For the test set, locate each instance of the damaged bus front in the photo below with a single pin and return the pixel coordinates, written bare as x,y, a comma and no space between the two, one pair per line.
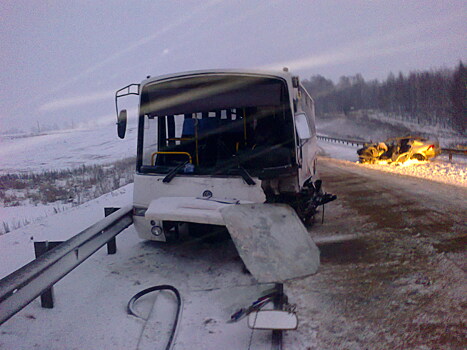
208,140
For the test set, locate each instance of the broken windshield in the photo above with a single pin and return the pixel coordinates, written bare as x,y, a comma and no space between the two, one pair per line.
214,125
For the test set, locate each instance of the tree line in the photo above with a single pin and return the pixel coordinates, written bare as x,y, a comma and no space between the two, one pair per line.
435,97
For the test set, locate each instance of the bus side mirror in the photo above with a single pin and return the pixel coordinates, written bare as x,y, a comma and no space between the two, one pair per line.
121,123
301,125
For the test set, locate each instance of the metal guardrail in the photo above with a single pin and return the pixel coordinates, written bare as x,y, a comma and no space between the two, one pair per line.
455,151
338,140
449,151
27,283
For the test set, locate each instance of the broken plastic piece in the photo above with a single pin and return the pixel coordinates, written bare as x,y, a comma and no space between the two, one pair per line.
272,241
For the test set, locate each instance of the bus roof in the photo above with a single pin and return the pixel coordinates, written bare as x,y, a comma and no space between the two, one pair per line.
285,75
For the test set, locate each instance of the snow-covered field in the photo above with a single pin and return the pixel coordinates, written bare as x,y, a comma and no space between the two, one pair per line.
56,151
65,149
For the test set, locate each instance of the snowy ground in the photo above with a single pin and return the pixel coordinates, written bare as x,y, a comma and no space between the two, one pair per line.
65,149
59,150
85,317
439,169
90,302
412,265
16,217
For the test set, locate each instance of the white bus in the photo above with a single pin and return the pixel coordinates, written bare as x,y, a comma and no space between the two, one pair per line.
215,138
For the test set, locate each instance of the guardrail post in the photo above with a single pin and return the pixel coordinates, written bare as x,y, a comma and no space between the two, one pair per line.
112,243
450,156
40,248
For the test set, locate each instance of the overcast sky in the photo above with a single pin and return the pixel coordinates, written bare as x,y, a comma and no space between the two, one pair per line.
62,61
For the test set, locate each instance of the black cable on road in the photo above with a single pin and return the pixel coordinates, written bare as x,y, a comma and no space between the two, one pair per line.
138,295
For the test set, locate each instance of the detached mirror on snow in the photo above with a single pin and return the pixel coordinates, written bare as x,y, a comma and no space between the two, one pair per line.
273,319
121,123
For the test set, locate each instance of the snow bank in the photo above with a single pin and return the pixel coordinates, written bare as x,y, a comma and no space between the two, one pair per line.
12,218
436,170
440,169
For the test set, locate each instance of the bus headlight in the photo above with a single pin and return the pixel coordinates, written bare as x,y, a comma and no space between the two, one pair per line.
156,230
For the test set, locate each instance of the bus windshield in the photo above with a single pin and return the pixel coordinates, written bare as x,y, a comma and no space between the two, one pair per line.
214,125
